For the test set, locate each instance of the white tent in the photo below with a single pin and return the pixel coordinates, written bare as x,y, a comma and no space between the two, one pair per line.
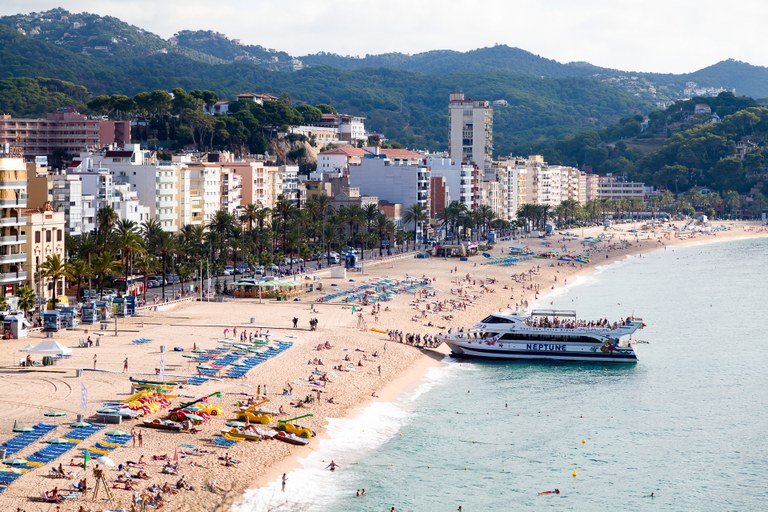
49,347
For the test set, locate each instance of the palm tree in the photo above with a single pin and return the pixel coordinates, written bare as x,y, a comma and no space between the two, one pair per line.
220,227
26,299
166,247
4,302
284,212
103,266
147,264
416,213
105,222
55,269
150,230
129,242
76,271
484,214
249,215
528,212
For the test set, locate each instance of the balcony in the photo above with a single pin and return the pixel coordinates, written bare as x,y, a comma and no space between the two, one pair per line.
13,277
13,221
13,240
4,185
19,257
13,203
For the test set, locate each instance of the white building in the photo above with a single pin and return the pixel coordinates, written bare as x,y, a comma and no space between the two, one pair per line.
79,208
462,180
470,130
392,182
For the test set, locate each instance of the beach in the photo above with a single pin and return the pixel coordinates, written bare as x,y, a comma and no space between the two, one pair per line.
458,294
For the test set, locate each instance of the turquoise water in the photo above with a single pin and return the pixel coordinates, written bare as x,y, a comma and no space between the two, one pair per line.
688,422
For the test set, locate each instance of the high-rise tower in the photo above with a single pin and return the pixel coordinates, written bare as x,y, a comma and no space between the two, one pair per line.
471,130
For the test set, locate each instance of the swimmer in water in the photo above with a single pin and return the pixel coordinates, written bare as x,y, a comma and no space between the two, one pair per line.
332,466
556,491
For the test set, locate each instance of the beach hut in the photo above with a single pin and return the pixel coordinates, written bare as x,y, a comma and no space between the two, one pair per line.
51,320
15,326
88,314
130,305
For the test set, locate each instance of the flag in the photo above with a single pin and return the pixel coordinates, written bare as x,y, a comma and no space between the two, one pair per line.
86,458
83,396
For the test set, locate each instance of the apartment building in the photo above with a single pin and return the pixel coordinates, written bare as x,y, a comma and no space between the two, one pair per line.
470,130
462,181
255,180
231,191
79,208
392,181
618,187
13,199
43,235
65,131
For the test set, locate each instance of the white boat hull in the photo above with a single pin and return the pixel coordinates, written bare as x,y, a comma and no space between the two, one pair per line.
555,351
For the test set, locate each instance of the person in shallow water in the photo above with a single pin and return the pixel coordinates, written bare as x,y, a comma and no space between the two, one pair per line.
556,491
332,466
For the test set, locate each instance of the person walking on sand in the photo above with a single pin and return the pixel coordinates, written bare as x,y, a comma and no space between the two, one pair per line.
125,365
295,322
284,480
133,436
94,361
141,440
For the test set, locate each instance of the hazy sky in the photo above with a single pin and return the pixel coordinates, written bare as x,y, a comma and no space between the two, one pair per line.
639,35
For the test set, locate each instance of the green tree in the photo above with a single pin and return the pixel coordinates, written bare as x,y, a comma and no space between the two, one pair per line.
26,300
55,269
418,214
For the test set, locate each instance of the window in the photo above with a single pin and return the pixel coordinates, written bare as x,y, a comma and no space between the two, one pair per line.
37,237
58,235
47,236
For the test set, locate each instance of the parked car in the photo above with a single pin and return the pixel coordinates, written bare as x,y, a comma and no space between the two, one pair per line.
259,269
274,268
229,270
242,268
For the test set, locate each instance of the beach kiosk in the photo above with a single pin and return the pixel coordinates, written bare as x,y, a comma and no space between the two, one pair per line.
102,311
15,326
118,306
68,317
88,313
51,320
130,305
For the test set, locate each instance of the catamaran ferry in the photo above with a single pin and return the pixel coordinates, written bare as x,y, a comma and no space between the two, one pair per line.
546,334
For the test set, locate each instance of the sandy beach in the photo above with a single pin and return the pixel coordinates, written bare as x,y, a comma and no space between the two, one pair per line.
359,364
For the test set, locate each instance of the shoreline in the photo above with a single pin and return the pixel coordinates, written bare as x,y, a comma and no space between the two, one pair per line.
402,366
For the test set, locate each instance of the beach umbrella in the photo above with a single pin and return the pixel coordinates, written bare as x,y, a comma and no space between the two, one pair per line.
118,433
57,440
80,424
194,417
236,424
107,410
15,462
192,408
106,461
54,414
17,428
187,445
15,471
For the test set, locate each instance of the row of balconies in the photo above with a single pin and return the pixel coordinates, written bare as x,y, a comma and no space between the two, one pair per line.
13,240
12,277
13,257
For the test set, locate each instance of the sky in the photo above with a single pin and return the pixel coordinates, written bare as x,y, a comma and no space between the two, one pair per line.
663,36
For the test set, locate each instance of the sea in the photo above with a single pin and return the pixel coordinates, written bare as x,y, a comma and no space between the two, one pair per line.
686,428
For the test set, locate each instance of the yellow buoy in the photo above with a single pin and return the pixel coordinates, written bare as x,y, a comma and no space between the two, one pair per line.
583,441
573,474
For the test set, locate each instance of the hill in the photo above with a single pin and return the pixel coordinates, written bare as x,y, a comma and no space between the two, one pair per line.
402,96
